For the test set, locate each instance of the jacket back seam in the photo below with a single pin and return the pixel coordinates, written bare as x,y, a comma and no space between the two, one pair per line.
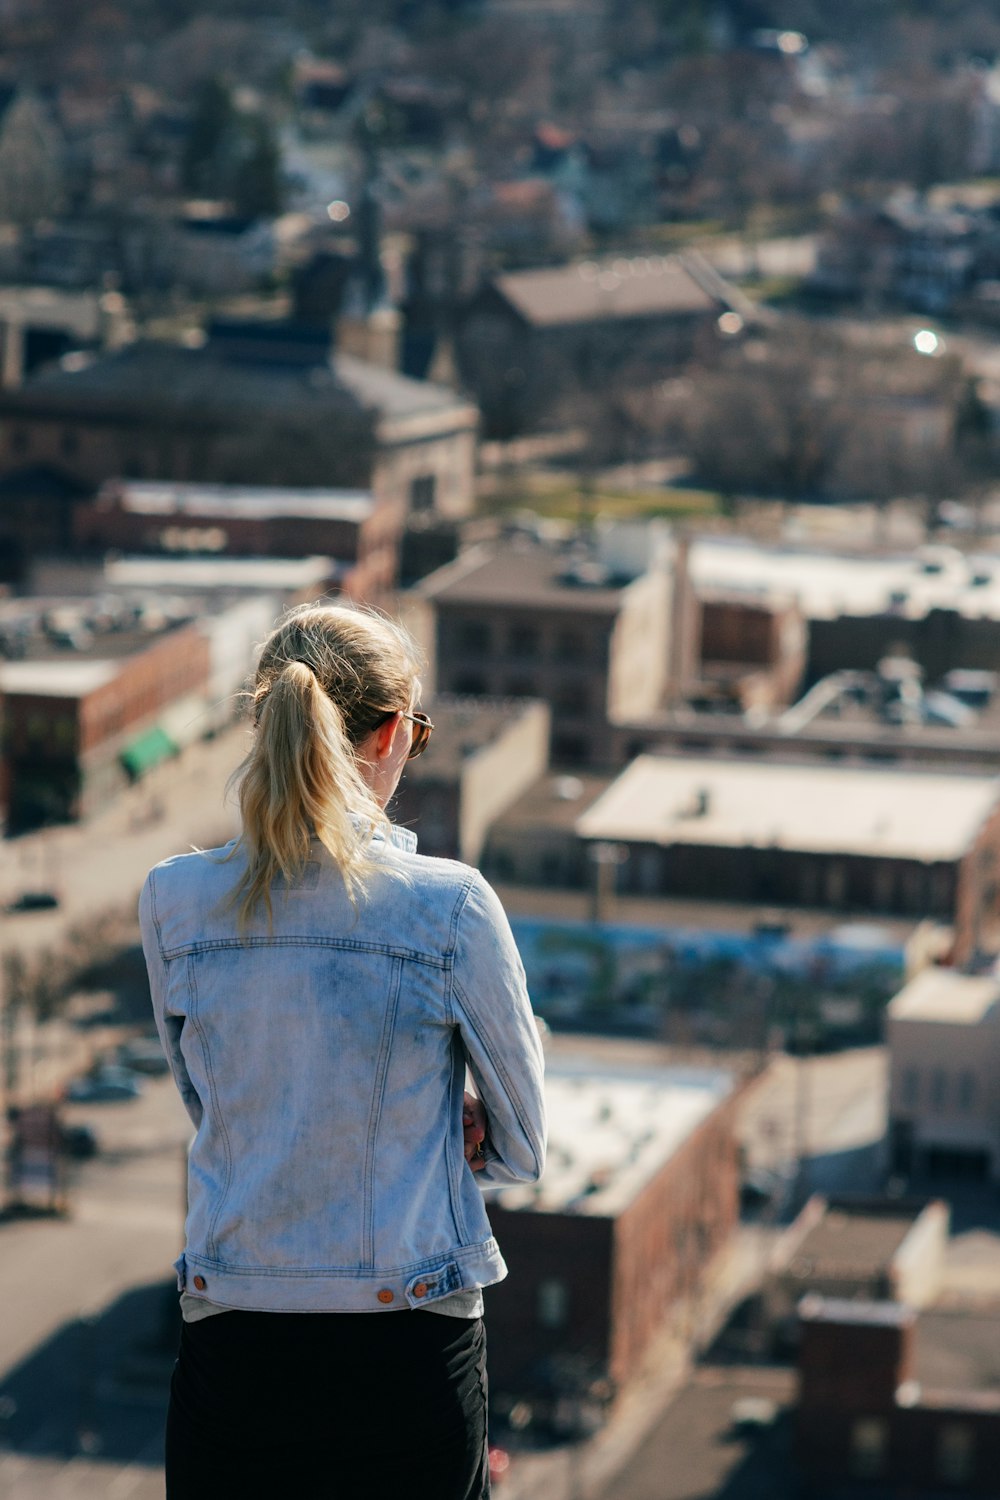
385,1045
211,1236
348,945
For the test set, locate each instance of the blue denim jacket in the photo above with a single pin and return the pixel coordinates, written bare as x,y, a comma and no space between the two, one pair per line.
323,1063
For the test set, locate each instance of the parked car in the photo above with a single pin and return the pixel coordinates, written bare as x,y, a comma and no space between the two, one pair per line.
34,901
78,1142
143,1054
107,1084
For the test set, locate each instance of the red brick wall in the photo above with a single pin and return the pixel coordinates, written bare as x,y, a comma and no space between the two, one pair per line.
621,1275
575,1250
668,1234
171,668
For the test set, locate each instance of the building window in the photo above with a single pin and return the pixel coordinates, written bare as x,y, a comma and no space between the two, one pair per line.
474,636
524,640
569,749
911,1088
20,440
470,684
869,1440
955,1459
423,492
521,687
939,1088
571,699
69,444
553,1303
836,883
569,646
966,1089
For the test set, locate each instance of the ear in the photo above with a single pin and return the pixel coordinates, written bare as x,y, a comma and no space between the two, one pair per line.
383,737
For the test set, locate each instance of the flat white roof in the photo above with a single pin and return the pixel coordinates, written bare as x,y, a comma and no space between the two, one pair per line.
923,815
250,501
611,1129
221,572
56,679
944,996
828,584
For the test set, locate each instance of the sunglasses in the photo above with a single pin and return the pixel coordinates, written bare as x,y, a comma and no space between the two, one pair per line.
422,729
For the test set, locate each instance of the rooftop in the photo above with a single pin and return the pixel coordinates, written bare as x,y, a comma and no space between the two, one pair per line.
253,502
193,382
830,584
625,287
611,1129
947,997
555,801
875,811
816,1309
209,573
55,679
852,1240
525,574
463,726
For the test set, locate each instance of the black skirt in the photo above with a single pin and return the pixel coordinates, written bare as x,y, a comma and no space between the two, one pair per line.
329,1406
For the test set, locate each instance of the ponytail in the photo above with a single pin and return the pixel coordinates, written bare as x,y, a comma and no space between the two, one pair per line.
326,677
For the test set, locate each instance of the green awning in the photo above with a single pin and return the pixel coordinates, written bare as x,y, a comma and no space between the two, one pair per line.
147,750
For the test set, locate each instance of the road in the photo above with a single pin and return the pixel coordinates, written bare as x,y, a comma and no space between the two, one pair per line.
101,864
86,1341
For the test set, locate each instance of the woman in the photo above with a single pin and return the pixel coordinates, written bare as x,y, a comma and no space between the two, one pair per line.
321,991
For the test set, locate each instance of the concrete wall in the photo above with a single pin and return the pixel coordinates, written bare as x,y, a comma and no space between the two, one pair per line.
639,657
494,777
943,1086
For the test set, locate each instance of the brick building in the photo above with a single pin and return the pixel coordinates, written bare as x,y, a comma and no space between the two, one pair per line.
256,404
248,521
866,1425
752,653
106,687
640,1191
531,338
897,843
854,1247
938,605
75,731
587,629
484,754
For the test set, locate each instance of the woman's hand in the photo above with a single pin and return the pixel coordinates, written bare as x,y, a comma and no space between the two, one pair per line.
474,1131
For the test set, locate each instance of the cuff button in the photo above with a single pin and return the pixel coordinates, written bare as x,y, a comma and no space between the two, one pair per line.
384,1295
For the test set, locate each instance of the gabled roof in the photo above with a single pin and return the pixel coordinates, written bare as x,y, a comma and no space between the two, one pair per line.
593,291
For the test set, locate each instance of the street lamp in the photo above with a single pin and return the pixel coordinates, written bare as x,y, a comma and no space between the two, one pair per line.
605,857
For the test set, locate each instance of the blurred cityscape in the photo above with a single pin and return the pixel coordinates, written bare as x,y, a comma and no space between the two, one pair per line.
644,357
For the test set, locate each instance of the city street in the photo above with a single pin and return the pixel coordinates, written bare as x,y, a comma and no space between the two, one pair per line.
85,1349
100,865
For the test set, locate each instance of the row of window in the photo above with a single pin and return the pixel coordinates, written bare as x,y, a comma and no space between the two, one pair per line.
483,638
939,1089
954,1451
572,699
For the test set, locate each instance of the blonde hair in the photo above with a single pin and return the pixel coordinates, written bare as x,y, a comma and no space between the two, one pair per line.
327,676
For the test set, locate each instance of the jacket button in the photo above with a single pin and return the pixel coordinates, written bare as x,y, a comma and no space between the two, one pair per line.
200,1283
420,1290
385,1295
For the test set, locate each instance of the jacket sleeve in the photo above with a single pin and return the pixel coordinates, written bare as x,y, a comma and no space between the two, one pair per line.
493,1014
168,1025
